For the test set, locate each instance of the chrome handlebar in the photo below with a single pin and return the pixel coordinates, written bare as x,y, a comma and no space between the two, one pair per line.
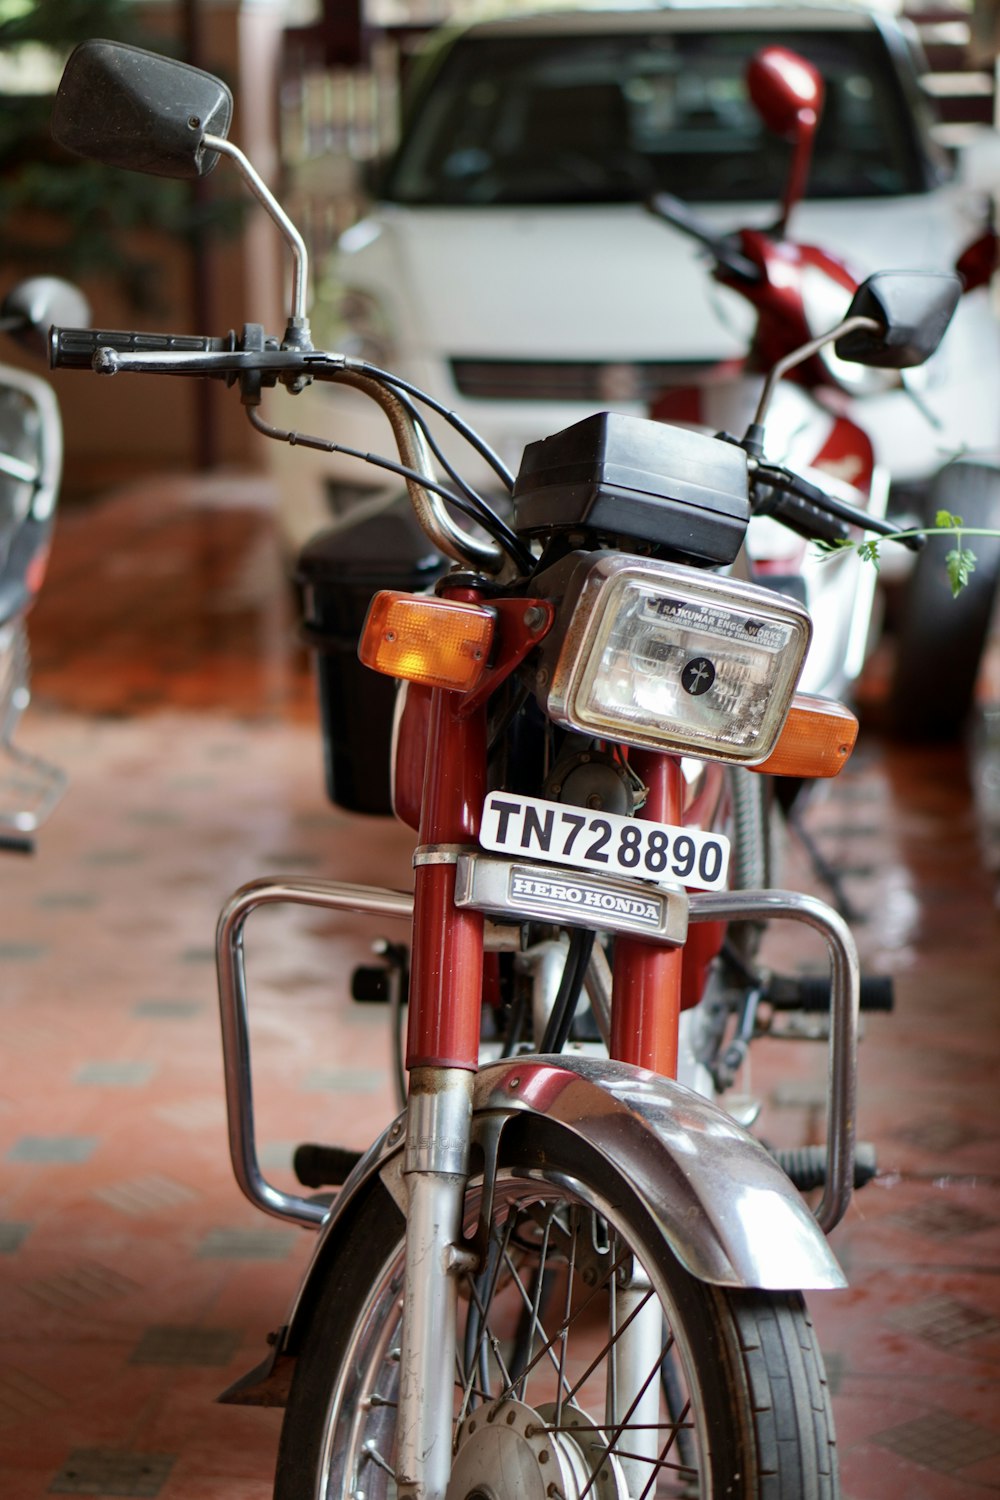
110,352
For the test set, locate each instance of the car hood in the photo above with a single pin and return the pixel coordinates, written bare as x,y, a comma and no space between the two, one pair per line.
607,283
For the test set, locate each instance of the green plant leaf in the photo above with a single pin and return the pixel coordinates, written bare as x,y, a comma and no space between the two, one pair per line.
960,562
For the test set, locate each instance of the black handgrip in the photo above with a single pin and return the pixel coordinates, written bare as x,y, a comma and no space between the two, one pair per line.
75,348
804,518
855,516
783,482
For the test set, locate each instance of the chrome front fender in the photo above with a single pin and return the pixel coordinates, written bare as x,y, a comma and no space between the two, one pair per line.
723,1204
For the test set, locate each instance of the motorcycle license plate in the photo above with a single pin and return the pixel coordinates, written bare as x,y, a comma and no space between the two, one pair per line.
533,827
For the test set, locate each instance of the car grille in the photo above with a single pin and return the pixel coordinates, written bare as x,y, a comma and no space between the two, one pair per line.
571,380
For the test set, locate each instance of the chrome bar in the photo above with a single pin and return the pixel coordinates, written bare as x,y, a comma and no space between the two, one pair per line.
234,1015
845,977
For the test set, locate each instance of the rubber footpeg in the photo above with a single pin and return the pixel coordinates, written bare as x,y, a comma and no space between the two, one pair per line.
805,1166
810,993
370,984
324,1166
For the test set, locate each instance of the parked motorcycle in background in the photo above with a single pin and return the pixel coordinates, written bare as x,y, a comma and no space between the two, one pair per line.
552,1275
872,435
30,472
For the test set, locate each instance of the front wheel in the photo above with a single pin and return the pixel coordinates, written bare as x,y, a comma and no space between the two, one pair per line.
590,1362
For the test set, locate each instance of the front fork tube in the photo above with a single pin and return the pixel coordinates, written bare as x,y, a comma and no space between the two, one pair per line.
442,1055
647,979
645,1023
435,1167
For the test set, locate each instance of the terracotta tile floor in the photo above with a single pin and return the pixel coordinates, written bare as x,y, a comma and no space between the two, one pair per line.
137,1283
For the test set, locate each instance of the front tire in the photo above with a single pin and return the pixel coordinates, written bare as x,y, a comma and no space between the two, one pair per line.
581,1322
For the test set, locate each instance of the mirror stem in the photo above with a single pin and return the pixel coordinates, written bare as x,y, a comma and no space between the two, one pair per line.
806,351
297,333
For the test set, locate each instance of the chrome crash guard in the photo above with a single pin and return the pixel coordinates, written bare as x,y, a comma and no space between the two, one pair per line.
723,1204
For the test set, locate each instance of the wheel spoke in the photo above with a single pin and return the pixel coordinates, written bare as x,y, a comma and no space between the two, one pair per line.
597,1360
663,1464
536,1303
566,1324
476,1348
624,1424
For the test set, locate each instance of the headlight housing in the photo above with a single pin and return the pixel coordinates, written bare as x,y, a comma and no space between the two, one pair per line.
666,657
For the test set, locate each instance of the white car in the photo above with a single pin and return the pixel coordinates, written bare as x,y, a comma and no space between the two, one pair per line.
508,265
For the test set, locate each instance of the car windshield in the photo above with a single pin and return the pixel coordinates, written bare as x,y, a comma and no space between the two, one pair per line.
597,118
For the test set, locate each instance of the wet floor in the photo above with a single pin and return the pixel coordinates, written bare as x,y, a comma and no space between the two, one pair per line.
137,1283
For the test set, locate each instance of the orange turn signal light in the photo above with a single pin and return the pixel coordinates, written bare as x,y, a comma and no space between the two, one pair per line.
421,638
817,739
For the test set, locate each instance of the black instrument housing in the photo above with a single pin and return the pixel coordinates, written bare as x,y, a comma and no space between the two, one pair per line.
627,478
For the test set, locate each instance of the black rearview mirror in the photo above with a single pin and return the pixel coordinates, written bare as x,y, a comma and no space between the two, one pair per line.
126,107
913,309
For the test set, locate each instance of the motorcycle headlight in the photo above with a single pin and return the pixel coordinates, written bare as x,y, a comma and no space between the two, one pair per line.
825,303
665,657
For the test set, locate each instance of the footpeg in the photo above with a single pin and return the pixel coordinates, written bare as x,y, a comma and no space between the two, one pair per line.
805,1166
812,993
324,1166
377,984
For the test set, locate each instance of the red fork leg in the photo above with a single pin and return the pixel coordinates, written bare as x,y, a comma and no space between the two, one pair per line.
645,1012
446,968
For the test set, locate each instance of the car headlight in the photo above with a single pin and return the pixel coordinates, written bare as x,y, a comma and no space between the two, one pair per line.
666,657
825,303
356,323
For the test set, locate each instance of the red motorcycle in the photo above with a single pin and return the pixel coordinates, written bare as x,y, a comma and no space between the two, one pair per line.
552,1275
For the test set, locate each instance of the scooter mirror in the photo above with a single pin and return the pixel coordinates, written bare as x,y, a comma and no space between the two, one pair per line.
29,310
786,91
913,309
126,107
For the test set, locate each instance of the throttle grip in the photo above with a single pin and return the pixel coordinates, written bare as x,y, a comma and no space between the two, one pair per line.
75,348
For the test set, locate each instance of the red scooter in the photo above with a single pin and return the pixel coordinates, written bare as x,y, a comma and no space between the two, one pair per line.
835,421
